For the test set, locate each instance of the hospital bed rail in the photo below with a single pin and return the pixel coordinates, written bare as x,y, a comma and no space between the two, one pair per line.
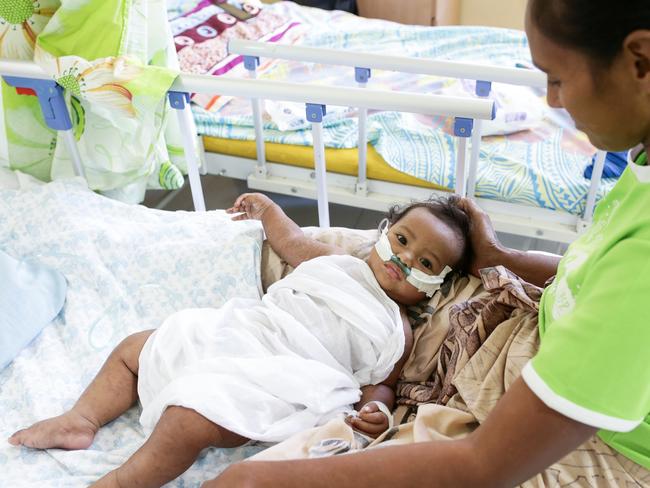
22,74
508,217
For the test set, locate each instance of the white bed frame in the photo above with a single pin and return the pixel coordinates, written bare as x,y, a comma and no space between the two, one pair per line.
359,191
356,191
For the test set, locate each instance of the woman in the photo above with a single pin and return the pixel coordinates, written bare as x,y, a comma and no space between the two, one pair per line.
588,387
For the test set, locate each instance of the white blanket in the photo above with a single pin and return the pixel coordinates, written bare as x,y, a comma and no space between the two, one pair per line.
269,368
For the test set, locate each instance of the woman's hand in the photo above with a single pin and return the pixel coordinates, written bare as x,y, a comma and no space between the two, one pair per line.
536,268
486,248
250,206
371,420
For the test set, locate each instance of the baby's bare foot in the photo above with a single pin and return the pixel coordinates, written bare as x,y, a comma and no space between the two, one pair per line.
68,431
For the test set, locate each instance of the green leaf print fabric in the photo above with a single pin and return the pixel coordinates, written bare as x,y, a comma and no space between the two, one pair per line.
116,61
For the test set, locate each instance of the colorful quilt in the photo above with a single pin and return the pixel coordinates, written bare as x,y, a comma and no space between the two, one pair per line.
201,32
532,154
116,62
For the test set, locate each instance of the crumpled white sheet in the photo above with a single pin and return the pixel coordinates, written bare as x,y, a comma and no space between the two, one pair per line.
267,369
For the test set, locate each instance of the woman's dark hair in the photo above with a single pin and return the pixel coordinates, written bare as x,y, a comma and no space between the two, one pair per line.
447,210
595,27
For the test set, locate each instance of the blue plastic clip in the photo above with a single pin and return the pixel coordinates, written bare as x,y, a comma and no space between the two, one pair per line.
315,112
463,127
251,62
178,99
362,75
50,97
483,88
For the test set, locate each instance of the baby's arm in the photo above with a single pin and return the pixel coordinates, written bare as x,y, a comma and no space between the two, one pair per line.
284,235
371,420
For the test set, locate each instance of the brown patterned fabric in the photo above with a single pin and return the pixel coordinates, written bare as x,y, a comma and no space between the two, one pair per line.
470,324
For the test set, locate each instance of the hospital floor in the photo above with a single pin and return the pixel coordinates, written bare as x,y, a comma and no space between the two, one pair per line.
220,192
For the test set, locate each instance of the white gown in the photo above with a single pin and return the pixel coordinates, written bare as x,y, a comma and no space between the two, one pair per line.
269,368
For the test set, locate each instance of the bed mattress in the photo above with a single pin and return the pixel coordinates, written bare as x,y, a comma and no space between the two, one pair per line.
344,161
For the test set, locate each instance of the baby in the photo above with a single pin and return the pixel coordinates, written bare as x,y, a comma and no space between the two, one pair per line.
330,335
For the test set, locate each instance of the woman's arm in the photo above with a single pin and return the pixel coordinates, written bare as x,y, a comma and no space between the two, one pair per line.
532,266
520,438
284,235
536,268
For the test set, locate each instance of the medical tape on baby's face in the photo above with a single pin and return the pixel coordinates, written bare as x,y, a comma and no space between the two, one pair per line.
423,282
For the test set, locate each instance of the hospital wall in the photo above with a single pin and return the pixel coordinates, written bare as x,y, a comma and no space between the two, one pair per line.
497,13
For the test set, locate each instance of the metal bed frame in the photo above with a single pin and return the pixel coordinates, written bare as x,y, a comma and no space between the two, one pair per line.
362,192
356,191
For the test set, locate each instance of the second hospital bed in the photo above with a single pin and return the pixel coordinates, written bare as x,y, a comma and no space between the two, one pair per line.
530,165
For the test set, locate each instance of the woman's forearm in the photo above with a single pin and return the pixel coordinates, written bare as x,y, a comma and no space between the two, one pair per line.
442,464
534,267
521,437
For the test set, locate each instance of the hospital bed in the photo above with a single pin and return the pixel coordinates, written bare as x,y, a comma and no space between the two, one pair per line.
129,267
379,192
530,188
537,202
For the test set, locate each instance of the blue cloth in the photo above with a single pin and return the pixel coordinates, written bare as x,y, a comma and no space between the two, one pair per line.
31,296
615,163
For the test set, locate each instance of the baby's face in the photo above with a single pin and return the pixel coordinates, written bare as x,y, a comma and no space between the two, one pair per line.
421,241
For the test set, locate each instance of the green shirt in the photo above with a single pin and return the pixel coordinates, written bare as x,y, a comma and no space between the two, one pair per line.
593,364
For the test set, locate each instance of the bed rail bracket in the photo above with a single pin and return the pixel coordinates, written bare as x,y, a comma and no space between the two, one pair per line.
50,97
315,112
361,189
55,112
583,225
463,127
483,88
362,75
178,99
251,62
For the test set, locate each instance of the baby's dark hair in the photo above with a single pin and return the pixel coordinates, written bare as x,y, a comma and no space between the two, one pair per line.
448,210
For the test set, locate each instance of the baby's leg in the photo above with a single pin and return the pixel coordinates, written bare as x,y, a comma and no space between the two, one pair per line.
175,443
110,394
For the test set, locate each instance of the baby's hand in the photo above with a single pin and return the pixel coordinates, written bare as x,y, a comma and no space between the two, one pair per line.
250,206
370,421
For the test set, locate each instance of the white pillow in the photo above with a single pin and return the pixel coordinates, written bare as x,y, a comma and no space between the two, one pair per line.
31,296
